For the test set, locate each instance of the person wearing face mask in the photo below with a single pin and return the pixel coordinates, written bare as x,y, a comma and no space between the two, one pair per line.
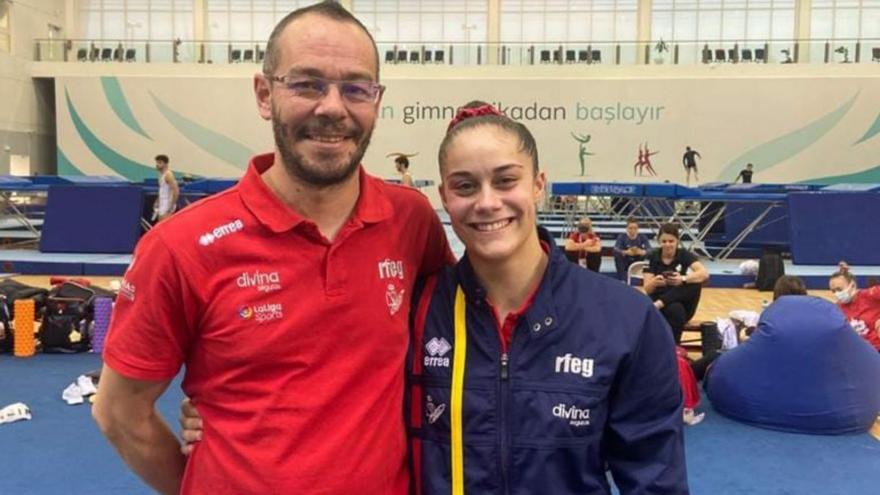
584,246
860,306
630,247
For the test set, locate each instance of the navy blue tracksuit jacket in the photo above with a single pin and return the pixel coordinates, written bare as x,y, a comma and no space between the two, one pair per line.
590,378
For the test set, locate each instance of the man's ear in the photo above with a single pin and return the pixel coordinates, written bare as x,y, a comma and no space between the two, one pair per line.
263,94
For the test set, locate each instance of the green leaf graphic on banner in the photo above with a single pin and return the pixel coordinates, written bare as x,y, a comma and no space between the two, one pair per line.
772,153
123,166
113,92
65,166
871,132
210,141
868,176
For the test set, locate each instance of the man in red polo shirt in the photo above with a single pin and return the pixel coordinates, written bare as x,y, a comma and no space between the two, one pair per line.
286,297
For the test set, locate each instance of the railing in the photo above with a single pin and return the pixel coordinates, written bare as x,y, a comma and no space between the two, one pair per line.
468,54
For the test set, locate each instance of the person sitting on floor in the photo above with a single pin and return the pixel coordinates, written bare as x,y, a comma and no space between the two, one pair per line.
630,247
674,279
861,307
584,247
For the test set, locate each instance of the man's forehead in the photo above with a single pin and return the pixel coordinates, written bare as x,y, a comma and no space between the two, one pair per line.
328,34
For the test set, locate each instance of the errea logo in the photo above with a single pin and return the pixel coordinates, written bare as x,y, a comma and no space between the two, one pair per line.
208,238
437,349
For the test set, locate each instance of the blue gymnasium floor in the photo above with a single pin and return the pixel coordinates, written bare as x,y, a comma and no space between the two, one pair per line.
60,450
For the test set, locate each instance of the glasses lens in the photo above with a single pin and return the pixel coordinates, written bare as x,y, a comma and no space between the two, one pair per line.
359,91
307,88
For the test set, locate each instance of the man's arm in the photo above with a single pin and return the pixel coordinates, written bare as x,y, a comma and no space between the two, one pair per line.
644,439
125,410
175,189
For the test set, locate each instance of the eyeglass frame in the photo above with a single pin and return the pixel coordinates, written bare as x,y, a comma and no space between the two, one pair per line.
379,89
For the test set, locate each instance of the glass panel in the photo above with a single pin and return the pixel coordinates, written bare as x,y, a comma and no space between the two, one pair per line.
511,27
846,23
603,26
783,25
408,27
709,26
661,26
218,26
820,24
579,26
734,25
758,25
871,23
114,26
685,25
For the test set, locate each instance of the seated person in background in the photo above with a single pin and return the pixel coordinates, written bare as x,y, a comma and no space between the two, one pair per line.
803,370
584,247
674,279
861,307
629,248
786,285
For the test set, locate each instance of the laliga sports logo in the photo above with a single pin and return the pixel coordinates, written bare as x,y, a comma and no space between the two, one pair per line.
262,313
208,238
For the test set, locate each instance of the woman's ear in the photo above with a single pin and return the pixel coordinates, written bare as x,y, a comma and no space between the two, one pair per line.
540,185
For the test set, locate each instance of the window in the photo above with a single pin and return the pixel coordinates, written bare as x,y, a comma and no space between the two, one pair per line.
722,20
423,21
247,20
537,21
4,26
845,19
135,20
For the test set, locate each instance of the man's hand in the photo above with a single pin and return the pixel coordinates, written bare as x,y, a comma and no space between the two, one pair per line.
190,426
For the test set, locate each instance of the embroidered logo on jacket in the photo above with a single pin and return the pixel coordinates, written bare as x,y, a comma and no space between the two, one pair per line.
574,365
394,298
437,349
574,415
433,412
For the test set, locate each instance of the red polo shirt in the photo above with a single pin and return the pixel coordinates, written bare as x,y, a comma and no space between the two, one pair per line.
863,314
294,346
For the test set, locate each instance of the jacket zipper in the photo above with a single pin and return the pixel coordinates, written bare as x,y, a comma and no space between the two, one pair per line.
502,430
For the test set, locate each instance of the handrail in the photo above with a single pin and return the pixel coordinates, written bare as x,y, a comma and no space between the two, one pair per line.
647,52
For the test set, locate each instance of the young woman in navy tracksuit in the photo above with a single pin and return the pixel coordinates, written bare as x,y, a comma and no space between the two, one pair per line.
527,373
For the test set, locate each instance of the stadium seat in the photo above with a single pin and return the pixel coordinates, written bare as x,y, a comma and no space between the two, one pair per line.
597,57
235,56
570,56
130,55
746,55
720,56
545,56
438,56
82,54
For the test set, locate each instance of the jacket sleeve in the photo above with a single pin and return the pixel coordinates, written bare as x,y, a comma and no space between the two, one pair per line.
644,439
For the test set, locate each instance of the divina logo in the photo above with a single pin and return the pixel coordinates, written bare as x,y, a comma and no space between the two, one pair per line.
574,415
263,282
208,238
262,312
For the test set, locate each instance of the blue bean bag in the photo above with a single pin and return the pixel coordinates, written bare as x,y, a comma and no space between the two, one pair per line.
804,370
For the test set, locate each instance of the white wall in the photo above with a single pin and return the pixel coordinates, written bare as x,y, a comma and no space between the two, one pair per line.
27,123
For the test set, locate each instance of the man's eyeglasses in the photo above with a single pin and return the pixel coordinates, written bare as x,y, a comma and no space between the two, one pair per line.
315,88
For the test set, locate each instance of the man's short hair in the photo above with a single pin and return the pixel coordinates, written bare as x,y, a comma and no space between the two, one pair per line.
329,9
162,158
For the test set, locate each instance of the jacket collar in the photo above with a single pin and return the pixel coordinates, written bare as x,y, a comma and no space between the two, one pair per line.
372,206
541,315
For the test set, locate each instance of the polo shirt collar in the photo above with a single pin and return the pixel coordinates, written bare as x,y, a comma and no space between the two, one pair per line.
372,206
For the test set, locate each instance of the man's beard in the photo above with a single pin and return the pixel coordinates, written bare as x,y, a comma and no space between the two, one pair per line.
312,173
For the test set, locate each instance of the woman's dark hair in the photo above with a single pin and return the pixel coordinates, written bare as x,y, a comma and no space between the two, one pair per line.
668,228
789,285
402,161
479,113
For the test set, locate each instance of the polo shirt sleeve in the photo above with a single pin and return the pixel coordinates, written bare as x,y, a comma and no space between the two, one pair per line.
151,327
872,293
644,243
645,441
437,252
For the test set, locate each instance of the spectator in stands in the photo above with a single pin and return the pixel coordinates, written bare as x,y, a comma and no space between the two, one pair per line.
584,247
746,174
169,191
674,279
630,247
861,307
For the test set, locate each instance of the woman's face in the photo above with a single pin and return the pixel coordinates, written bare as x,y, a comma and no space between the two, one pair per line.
668,243
490,190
